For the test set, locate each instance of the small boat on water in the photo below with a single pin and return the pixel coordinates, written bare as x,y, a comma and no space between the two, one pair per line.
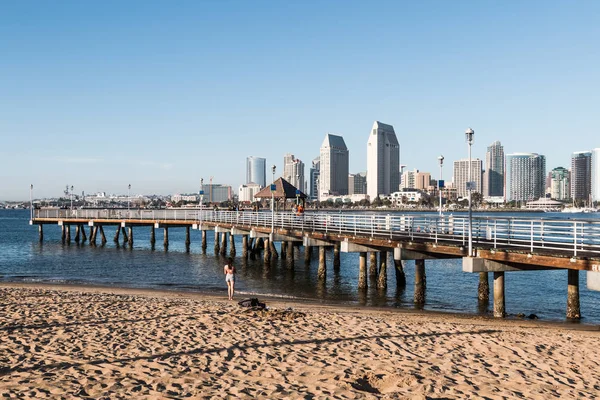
579,210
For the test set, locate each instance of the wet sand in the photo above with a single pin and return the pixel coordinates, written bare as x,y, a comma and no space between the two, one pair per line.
74,342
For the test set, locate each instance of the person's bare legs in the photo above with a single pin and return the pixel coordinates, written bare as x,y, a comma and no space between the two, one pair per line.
229,290
232,287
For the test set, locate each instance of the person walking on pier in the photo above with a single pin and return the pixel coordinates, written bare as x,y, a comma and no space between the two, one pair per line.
229,271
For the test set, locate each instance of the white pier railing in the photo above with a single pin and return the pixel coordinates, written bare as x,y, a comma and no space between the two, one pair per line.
566,237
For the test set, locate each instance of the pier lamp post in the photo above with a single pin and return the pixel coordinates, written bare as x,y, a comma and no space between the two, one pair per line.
469,133
128,198
71,198
31,202
273,187
441,160
201,193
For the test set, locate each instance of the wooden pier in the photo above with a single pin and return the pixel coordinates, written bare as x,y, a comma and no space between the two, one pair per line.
500,244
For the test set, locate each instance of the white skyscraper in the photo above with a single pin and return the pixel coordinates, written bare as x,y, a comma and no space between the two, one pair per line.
334,164
383,161
596,174
461,176
256,170
525,176
293,171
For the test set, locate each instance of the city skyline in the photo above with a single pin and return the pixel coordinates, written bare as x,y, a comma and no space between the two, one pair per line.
166,95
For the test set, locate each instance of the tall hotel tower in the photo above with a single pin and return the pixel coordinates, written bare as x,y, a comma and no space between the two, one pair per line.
581,175
293,171
525,176
256,171
383,161
334,165
596,174
461,176
494,162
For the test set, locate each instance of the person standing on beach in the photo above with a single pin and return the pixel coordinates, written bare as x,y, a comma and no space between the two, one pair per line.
229,271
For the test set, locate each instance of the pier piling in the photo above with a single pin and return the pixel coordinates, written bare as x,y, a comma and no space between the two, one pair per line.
284,249
274,253
152,236
307,255
68,238
382,278
483,291
83,235
125,237
41,232
373,264
420,282
244,246
573,307
223,243
102,235
130,241
77,233
116,238
166,238
362,271
399,268
267,253
188,241
336,256
322,271
499,305
231,245
63,234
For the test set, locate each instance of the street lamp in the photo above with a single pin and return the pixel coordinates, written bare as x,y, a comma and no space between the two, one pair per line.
440,182
273,187
31,202
71,198
128,198
469,133
201,193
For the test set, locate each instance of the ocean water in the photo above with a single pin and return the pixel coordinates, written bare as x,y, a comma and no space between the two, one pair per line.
24,259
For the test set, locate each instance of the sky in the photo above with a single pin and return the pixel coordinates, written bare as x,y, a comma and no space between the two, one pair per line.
159,94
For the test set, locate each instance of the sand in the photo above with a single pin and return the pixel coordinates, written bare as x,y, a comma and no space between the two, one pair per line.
105,343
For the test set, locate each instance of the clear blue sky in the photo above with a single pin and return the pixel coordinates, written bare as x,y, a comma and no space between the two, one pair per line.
161,93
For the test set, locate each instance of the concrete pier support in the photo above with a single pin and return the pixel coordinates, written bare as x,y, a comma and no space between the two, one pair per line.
382,278
41,232
231,246
125,237
420,282
187,239
289,251
283,249
322,271
204,245
166,237
244,246
77,233
274,253
152,236
102,235
93,234
373,264
115,239
83,235
130,241
68,237
362,271
399,268
499,305
307,254
223,243
336,256
573,307
63,233
267,253
483,291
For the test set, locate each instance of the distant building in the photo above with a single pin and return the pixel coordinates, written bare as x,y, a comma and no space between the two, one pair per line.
525,176
216,193
293,171
494,174
595,176
383,160
560,185
461,176
357,183
422,180
314,179
581,175
256,170
190,198
246,192
408,179
334,164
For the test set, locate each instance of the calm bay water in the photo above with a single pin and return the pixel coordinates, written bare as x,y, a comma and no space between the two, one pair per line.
24,259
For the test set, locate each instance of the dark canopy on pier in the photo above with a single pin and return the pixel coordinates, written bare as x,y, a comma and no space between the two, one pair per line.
283,190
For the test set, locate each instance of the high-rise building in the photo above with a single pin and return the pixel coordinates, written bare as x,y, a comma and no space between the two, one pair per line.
293,171
357,183
461,176
560,185
256,170
335,160
247,192
422,180
595,174
494,164
408,179
581,175
314,179
383,161
525,176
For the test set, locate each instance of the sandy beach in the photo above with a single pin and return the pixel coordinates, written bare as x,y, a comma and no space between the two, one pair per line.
73,342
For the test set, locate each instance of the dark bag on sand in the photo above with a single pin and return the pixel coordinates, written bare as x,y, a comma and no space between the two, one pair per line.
253,302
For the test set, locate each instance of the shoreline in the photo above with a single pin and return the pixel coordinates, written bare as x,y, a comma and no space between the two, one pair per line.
303,304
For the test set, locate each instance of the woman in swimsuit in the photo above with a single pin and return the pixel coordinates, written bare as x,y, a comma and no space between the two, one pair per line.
229,271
